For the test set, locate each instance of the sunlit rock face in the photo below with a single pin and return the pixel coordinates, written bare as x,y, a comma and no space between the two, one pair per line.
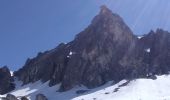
106,50
6,80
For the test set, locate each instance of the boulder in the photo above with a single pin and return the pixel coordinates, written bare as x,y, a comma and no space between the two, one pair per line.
40,97
11,97
24,98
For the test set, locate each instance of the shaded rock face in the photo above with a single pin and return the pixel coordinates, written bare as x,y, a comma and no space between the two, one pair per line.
6,80
24,98
40,97
46,66
159,56
149,56
11,97
106,50
97,51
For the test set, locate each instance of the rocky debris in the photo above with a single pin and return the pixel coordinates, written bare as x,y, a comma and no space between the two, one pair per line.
6,81
153,77
3,98
24,98
40,97
106,50
124,84
107,93
81,91
94,98
11,97
116,89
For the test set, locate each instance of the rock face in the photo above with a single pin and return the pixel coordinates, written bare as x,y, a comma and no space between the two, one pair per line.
159,54
24,98
40,97
6,80
150,56
11,97
106,50
97,51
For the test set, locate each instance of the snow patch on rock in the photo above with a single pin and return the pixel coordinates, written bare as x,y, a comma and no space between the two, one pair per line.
139,37
70,54
148,50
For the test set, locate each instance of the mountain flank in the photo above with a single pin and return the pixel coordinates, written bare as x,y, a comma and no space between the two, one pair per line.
107,50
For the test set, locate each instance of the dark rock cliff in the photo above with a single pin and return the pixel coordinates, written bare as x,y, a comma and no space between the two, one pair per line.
159,56
106,50
6,80
149,56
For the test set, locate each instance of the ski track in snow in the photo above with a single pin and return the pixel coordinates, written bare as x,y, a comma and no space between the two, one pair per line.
140,89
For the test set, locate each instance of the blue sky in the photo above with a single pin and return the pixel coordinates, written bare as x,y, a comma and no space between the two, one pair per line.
30,26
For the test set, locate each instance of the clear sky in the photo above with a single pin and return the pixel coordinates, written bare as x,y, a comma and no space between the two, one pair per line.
30,26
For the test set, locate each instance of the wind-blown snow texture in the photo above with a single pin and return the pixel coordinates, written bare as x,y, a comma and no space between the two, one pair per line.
139,89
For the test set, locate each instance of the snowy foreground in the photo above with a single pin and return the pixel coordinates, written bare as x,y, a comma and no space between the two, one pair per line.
140,89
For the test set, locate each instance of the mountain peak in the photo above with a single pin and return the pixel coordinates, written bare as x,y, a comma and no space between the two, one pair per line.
110,24
105,10
86,60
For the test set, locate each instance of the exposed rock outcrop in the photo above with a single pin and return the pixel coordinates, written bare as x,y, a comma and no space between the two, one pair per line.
150,56
91,59
24,98
40,97
158,44
106,50
6,80
11,97
98,50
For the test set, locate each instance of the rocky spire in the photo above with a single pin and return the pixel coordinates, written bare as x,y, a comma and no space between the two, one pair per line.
98,49
105,10
110,24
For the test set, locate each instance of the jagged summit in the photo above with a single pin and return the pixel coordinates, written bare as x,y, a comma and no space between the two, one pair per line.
105,10
107,24
107,15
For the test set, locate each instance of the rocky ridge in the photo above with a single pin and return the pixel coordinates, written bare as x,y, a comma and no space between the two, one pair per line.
106,50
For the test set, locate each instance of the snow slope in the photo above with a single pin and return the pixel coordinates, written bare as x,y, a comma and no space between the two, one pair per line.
140,89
